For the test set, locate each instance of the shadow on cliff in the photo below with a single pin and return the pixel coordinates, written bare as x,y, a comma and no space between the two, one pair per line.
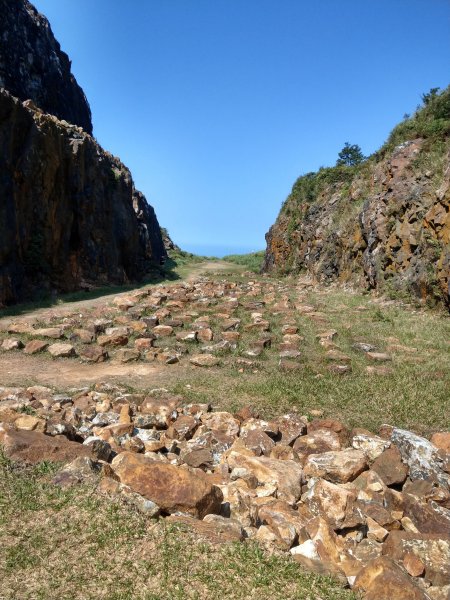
158,274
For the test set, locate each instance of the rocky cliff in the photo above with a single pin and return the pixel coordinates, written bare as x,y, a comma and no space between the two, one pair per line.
33,67
384,224
69,214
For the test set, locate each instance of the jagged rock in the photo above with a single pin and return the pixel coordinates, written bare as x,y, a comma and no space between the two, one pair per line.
286,475
332,502
35,346
339,467
34,66
30,423
316,442
390,467
433,551
420,455
33,447
52,251
382,579
173,489
396,238
93,354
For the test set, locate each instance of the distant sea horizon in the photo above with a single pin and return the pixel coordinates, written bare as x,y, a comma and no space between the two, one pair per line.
217,250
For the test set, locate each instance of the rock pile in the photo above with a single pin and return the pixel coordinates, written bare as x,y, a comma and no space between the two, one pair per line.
204,323
372,510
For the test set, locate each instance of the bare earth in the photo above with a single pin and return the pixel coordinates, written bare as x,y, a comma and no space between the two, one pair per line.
17,369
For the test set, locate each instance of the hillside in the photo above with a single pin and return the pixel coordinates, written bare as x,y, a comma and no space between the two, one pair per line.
383,224
70,216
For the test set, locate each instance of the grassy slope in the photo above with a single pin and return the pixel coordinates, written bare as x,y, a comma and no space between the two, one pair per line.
73,544
252,261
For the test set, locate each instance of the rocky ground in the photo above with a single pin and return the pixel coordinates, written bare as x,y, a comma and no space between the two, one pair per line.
253,411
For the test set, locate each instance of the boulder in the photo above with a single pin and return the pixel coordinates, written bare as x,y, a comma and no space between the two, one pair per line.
383,579
172,488
339,467
286,475
33,447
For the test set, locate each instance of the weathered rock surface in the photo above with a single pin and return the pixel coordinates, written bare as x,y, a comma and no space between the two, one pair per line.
173,489
33,66
386,227
70,215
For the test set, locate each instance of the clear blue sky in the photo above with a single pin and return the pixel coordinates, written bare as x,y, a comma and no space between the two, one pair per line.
217,106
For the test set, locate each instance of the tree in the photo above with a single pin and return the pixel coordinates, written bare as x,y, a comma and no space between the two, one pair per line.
350,155
430,96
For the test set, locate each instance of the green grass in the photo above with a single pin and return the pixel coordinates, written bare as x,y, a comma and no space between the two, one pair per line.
252,261
413,395
75,544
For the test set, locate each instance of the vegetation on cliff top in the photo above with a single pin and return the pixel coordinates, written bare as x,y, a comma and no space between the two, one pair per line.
431,121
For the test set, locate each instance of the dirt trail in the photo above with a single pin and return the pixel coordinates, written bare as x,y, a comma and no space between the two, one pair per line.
20,369
68,308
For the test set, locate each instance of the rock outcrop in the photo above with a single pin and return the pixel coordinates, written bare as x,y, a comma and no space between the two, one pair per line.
70,216
33,66
384,225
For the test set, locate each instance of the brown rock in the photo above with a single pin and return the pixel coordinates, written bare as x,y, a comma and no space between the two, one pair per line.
183,428
158,412
286,475
94,354
390,467
332,502
162,330
33,447
441,440
201,457
332,424
222,422
113,339
316,442
61,350
291,427
382,579
204,360
126,355
258,442
285,522
30,423
339,467
172,488
35,346
413,565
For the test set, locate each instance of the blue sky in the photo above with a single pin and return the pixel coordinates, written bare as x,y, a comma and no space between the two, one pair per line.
217,106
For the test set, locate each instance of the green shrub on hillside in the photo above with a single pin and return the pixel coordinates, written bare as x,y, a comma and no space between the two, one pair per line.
253,261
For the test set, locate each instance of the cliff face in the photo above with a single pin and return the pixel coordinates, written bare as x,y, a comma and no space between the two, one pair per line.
69,212
384,225
33,67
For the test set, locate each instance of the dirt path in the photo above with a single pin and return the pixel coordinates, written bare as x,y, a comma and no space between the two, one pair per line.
65,309
20,369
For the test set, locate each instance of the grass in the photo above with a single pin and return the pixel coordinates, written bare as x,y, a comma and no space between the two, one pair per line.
73,544
252,261
414,394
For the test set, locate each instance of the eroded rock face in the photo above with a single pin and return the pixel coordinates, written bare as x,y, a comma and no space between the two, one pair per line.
33,66
388,229
70,215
